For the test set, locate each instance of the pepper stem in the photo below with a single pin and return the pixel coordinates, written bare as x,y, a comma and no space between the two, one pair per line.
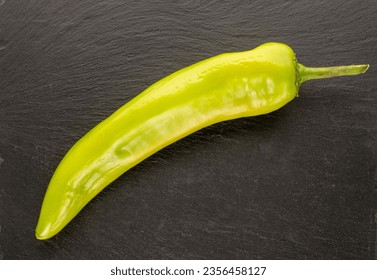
309,73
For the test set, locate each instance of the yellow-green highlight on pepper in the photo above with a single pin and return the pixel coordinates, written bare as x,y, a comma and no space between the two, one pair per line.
221,88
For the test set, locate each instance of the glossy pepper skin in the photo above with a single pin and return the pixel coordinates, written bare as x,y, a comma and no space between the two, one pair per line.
224,87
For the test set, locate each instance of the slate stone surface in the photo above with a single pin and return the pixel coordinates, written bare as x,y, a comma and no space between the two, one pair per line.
299,183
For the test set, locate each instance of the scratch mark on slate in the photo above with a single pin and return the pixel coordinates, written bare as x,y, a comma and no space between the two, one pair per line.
1,161
3,44
2,2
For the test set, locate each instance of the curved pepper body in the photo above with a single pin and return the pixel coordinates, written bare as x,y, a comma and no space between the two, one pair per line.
221,88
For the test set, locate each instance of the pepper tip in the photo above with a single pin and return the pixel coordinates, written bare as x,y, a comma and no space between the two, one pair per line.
43,232
41,236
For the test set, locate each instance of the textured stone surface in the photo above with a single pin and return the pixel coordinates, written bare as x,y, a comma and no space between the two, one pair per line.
299,183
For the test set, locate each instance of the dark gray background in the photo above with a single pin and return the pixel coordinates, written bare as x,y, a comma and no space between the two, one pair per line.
299,183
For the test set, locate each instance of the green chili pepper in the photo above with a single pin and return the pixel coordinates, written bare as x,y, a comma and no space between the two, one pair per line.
224,87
